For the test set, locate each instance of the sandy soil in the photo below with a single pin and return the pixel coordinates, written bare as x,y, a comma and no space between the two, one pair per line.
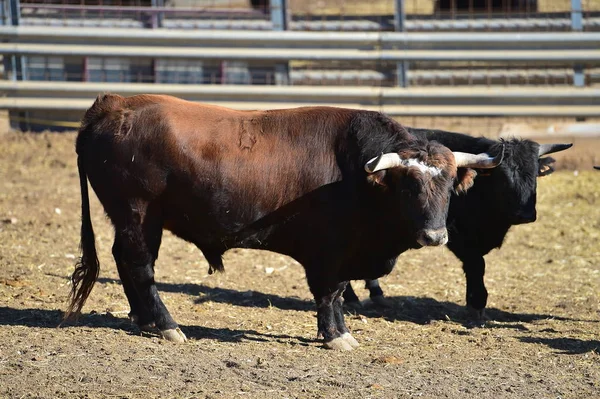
252,329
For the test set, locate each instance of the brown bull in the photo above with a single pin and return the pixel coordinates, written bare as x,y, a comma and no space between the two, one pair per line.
336,189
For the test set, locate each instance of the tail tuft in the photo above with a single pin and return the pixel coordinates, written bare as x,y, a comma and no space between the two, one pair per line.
215,261
82,280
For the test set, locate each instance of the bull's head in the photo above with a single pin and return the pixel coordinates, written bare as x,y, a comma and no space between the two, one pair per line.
515,181
420,182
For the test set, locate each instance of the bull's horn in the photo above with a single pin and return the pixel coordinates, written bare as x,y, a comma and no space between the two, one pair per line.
550,148
383,161
597,167
480,161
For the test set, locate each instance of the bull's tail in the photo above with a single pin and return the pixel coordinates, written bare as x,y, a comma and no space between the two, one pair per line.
86,270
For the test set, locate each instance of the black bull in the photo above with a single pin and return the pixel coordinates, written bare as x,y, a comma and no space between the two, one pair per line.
343,192
479,220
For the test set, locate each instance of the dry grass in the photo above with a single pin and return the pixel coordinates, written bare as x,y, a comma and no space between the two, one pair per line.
252,332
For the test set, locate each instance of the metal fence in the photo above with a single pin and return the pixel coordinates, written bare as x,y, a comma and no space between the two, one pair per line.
321,15
404,57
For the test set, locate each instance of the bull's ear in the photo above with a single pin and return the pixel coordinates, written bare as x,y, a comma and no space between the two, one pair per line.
545,166
465,178
377,178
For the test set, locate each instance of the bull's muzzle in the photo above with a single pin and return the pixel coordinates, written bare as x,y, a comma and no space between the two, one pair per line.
430,237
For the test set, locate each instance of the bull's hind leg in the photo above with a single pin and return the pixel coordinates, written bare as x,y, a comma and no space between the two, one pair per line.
139,313
139,241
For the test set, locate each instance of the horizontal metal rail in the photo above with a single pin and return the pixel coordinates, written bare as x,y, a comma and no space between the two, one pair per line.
383,95
296,39
70,104
275,54
475,101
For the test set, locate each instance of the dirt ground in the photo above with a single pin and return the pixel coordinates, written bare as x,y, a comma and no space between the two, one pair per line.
252,329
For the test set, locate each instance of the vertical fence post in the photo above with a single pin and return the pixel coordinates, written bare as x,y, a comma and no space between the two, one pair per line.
6,20
157,17
15,12
18,63
157,22
85,70
577,26
400,26
18,66
5,10
279,21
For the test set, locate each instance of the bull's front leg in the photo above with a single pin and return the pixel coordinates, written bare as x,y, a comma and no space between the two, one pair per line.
338,310
376,293
474,268
330,316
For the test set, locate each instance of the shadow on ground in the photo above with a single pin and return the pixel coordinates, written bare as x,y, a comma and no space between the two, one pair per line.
570,346
423,310
419,310
40,318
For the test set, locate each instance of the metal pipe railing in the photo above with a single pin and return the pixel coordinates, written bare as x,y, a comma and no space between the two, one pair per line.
80,105
310,54
295,93
297,39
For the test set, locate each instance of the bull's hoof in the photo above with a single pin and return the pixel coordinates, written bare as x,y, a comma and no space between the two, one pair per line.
339,344
350,339
381,301
477,317
174,335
